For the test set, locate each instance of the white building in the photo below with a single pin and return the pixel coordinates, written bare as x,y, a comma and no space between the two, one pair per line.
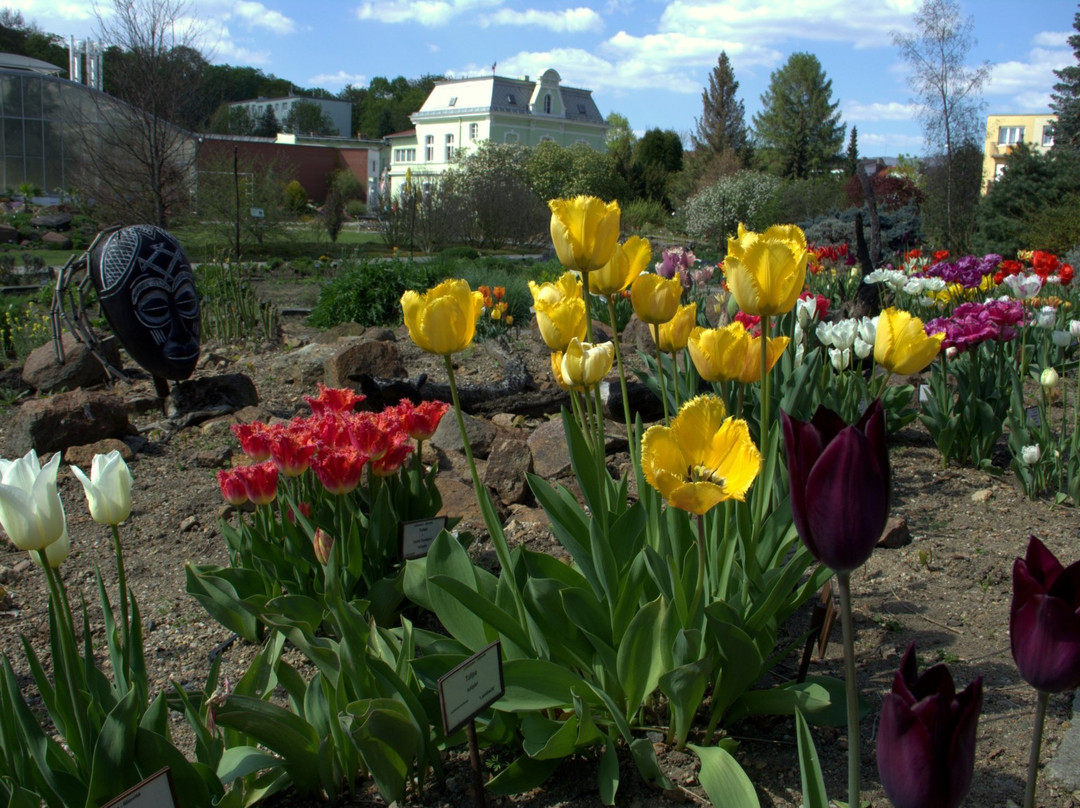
340,112
460,113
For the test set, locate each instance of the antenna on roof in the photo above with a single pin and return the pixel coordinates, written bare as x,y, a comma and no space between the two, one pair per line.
493,66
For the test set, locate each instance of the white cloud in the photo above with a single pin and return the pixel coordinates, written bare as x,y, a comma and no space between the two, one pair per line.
429,13
580,68
257,15
677,49
1025,86
890,143
339,79
571,20
756,24
1051,39
877,111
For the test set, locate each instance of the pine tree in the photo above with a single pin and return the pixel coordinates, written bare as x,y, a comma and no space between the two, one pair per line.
722,125
799,129
853,151
268,124
1066,98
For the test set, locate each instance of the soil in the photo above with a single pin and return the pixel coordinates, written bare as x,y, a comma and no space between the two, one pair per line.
948,591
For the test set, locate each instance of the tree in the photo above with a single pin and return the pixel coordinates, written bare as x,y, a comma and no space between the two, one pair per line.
308,118
267,125
139,164
1065,100
947,90
554,171
853,151
230,120
658,156
798,130
722,125
261,184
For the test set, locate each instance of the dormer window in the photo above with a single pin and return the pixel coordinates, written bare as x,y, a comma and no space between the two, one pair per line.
581,108
511,99
547,103
453,100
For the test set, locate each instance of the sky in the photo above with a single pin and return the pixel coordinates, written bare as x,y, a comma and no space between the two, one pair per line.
648,60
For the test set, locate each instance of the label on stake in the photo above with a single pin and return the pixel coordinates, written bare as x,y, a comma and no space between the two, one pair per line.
418,534
471,688
156,791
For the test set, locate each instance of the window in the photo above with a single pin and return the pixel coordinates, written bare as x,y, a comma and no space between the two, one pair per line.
547,139
547,103
1010,135
510,137
1048,136
429,149
453,101
511,99
474,131
404,156
581,108
449,148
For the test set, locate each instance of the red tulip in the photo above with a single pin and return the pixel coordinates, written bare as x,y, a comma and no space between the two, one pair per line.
390,462
260,482
841,485
1044,620
926,738
292,456
255,439
232,487
340,470
322,542
333,399
422,421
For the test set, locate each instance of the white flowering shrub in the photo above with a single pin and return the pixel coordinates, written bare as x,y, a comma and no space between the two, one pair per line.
714,213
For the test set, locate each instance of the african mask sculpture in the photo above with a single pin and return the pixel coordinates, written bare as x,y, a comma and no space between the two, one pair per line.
147,291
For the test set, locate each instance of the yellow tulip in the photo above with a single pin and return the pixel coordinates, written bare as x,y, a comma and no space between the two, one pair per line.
556,369
902,345
676,331
443,319
561,322
627,262
567,286
766,271
585,364
702,459
731,354
655,299
584,230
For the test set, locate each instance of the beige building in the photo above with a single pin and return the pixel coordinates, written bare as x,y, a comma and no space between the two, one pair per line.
1003,132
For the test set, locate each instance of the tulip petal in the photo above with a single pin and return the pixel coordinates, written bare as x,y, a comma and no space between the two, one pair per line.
905,756
1044,634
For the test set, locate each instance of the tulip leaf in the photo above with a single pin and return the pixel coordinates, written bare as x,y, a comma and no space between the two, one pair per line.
820,698
644,754
543,738
544,602
388,741
484,609
569,524
195,783
685,688
231,595
110,768
448,558
724,779
639,660
524,774
608,774
604,559
240,761
537,684
813,785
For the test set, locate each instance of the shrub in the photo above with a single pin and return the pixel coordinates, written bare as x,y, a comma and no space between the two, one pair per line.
369,293
460,251
899,228
715,213
642,213
296,197
355,208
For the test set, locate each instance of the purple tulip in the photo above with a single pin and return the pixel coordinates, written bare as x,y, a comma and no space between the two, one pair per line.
841,485
926,738
1044,620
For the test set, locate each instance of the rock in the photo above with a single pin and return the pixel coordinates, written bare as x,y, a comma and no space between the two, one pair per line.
56,241
212,458
246,415
8,234
66,419
51,218
982,495
448,436
304,366
637,335
379,333
198,400
380,359
189,523
80,368
508,463
83,456
1064,766
550,453
334,333
896,534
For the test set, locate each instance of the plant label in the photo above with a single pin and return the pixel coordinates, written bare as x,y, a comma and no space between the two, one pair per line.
471,688
418,534
156,791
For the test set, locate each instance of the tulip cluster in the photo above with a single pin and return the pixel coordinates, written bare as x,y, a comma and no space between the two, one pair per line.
971,324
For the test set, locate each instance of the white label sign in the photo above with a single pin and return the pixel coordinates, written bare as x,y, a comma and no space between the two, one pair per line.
471,688
156,791
417,536
258,213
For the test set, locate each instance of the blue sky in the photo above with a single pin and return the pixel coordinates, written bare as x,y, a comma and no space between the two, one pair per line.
646,59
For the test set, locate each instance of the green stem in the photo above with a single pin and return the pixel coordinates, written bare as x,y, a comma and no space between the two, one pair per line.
1036,746
699,588
622,371
765,393
675,366
660,371
852,688
588,314
121,584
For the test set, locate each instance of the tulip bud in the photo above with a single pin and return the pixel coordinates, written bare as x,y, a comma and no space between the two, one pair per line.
926,738
1030,454
322,542
1049,378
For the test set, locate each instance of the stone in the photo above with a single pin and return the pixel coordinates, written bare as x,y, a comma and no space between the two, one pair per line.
982,495
448,436
380,359
550,453
211,396
637,335
304,366
245,415
508,463
79,369
212,458
8,234
896,533
64,420
83,456
188,523
51,218
334,333
56,241
1064,766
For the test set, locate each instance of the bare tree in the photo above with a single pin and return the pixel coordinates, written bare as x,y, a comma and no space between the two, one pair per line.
947,89
139,153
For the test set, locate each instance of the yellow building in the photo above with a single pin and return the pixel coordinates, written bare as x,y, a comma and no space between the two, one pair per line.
1003,132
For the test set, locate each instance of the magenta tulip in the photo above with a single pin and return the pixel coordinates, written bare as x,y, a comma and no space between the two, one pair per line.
926,738
1044,621
841,485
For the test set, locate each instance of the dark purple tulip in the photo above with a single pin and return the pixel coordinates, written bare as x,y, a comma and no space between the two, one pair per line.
841,484
1044,620
926,738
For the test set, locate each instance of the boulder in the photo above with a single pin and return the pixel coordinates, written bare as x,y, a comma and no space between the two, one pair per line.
198,400
83,456
8,234
56,241
51,219
380,359
80,368
508,463
448,436
64,420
